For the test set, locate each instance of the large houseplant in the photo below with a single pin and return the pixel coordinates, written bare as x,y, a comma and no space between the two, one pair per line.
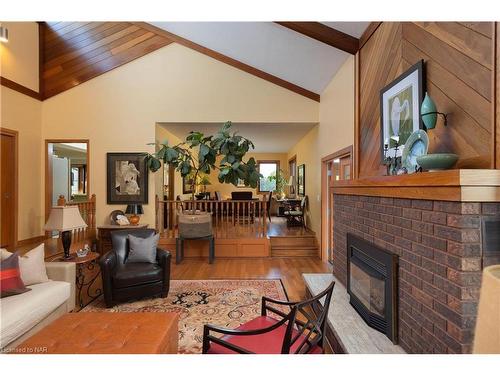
200,154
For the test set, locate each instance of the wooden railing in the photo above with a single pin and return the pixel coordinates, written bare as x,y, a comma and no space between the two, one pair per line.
230,218
87,210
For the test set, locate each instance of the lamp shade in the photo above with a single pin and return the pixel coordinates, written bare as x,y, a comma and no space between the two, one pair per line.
134,209
487,335
428,112
63,218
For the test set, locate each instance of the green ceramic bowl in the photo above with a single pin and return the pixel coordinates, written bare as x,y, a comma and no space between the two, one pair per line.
437,161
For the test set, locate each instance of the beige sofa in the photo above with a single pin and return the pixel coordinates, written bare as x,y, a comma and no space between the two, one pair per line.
23,315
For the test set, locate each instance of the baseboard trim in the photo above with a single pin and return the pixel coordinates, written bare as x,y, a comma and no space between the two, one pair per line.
31,241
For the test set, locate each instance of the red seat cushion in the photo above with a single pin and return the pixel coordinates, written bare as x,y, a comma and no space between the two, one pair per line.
266,343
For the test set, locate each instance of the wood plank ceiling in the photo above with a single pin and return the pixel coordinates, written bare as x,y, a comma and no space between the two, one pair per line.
459,72
74,52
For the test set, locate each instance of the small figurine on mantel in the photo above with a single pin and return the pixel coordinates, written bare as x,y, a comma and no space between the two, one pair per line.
393,164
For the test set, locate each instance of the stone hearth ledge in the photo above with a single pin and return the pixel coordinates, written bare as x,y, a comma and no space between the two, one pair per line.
351,331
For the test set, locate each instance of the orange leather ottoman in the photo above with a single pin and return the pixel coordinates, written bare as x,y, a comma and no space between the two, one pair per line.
106,333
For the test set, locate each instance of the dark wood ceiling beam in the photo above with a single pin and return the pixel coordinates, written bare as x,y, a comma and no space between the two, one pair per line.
230,61
325,34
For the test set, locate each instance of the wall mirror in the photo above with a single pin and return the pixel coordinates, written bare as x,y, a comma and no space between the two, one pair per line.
67,171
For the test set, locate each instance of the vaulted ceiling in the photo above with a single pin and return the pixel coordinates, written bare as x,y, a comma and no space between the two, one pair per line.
299,56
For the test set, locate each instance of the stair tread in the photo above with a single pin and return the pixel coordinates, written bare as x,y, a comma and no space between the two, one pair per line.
294,247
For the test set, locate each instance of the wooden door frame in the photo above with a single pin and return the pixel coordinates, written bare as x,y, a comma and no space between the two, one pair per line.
346,151
48,170
14,134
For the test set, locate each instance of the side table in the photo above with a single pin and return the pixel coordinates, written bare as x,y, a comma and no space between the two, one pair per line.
179,247
85,264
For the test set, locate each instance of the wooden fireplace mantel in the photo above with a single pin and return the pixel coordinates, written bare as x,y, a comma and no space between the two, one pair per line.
458,185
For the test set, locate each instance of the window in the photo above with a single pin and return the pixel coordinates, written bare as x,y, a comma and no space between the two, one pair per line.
268,169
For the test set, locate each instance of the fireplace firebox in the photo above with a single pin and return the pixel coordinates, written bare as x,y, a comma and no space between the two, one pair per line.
372,285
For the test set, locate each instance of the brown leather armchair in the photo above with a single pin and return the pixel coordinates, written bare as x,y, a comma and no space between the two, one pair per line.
127,281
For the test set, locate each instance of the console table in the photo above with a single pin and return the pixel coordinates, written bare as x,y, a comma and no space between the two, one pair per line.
104,235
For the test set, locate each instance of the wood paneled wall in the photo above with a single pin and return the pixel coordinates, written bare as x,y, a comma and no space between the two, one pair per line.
460,63
74,52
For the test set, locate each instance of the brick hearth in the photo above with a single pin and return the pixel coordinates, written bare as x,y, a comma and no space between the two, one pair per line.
440,263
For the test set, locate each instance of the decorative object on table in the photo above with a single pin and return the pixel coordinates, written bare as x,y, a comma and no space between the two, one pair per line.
127,175
392,163
487,333
400,108
65,219
429,113
113,216
436,162
122,220
301,179
134,210
416,145
83,252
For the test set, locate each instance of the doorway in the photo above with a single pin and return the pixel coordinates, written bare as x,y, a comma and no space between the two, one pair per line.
335,167
8,188
66,171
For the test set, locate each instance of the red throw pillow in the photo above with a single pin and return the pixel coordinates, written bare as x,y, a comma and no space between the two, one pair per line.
10,277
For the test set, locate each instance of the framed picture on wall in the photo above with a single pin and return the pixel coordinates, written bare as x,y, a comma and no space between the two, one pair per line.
301,179
400,109
127,178
187,183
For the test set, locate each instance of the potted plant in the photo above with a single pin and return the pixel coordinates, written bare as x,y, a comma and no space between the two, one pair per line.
281,183
197,156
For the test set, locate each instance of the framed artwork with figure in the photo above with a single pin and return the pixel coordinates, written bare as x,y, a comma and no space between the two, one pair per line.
127,178
400,109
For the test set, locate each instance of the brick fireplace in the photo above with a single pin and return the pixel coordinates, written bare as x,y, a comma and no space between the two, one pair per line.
439,244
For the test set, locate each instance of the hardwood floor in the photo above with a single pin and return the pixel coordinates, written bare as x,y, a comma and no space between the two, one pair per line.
289,270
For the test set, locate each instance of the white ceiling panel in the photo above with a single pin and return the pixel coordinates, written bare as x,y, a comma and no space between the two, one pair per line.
271,48
355,29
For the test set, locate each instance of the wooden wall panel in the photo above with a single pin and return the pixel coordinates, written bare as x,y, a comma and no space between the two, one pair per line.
75,52
459,60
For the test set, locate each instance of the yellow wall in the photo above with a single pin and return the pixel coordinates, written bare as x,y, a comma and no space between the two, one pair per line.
118,111
19,57
334,132
19,63
22,113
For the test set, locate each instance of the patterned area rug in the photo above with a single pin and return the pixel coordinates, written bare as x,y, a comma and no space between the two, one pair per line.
226,303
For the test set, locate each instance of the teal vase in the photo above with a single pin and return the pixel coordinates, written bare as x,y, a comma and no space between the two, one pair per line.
429,118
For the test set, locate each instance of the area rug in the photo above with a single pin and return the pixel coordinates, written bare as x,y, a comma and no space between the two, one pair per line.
226,303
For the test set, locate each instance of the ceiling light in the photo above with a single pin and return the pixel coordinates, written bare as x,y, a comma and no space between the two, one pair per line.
4,34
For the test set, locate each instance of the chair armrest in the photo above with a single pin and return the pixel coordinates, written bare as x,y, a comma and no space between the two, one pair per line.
108,261
163,256
63,271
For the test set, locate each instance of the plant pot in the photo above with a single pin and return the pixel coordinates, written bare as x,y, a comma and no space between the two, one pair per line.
195,225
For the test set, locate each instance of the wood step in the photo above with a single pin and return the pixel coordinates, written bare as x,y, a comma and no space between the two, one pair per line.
302,252
293,241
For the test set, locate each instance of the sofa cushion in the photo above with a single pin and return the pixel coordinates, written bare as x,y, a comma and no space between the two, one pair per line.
22,312
31,265
132,274
10,277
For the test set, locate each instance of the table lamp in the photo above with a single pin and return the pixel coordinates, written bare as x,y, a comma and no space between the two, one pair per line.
134,210
64,219
487,335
